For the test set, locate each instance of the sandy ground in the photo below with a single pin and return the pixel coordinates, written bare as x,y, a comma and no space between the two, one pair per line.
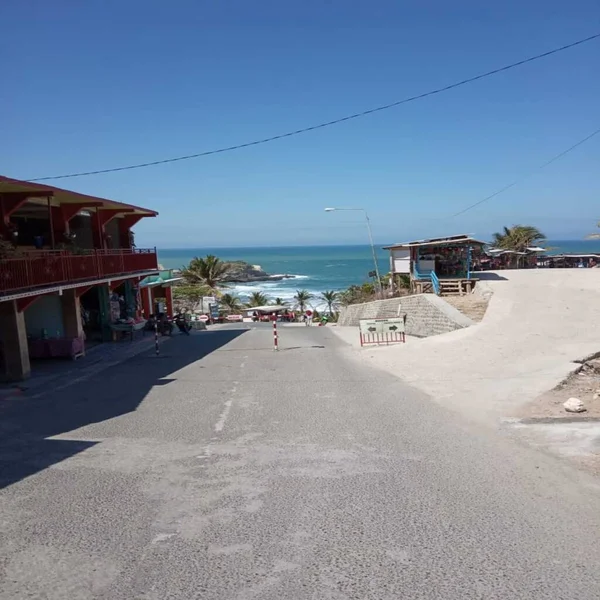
539,324
584,385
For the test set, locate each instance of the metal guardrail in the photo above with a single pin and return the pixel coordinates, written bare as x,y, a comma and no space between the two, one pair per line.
52,267
428,276
435,282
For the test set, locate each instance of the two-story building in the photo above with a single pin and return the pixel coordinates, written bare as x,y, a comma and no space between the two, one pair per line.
69,268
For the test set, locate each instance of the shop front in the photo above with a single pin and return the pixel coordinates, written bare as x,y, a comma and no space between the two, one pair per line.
438,265
156,293
69,273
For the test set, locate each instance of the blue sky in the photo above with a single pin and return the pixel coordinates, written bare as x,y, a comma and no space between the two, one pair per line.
104,83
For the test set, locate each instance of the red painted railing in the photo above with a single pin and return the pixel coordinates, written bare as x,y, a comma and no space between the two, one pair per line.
48,267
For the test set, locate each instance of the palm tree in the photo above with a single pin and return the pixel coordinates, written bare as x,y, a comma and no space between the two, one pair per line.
280,302
518,238
331,298
230,302
302,297
209,271
257,299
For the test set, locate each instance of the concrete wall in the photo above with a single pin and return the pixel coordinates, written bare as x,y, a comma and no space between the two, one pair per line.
45,313
426,314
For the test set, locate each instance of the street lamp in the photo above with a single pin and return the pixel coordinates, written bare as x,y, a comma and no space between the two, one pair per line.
379,288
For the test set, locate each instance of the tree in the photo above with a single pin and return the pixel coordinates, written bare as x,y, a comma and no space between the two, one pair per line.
518,238
331,298
230,302
301,298
280,302
257,299
356,294
209,271
187,297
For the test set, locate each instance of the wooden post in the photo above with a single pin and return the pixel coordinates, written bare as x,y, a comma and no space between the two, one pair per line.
51,220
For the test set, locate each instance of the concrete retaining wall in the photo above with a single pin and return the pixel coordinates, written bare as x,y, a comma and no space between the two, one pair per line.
426,314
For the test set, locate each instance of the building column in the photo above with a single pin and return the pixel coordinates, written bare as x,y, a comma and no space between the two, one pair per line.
169,300
98,233
125,224
129,297
71,310
104,304
14,346
146,301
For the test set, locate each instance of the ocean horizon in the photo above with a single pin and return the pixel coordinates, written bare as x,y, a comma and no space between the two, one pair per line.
318,268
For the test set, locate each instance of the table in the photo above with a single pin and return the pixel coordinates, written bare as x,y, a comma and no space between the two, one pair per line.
129,328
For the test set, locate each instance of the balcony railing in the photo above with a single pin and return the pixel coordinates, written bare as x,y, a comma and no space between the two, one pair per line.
45,268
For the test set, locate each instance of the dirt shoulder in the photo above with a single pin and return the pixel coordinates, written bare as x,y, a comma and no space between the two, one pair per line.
585,385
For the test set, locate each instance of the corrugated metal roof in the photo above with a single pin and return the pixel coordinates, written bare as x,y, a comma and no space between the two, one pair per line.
442,241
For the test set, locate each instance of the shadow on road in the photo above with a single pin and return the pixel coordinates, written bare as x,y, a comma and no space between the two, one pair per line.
27,423
488,276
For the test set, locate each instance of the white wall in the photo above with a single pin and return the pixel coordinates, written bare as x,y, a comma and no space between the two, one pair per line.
400,261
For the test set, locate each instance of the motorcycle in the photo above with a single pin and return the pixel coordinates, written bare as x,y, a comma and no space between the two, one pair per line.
182,324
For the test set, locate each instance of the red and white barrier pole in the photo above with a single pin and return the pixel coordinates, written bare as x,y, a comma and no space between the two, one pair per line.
275,340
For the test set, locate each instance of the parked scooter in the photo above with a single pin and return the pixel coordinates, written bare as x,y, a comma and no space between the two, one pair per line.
163,324
182,324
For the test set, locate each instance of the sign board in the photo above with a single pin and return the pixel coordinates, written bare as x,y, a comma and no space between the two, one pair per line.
203,318
371,326
206,302
368,326
214,310
235,317
382,331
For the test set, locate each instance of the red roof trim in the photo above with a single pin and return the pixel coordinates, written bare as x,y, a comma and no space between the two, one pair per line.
28,185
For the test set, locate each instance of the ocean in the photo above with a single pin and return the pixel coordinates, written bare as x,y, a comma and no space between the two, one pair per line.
318,268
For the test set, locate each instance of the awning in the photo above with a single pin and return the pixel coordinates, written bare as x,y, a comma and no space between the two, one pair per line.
269,309
164,278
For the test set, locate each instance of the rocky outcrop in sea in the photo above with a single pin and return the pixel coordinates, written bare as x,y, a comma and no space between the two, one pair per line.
243,272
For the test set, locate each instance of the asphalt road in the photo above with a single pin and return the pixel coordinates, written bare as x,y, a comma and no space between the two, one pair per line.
225,471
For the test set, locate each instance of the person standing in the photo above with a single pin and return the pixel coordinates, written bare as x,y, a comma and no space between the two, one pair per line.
309,317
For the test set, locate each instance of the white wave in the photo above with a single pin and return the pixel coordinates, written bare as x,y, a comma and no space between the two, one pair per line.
272,291
288,276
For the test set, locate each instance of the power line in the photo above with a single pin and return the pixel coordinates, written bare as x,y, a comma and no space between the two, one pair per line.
528,175
327,123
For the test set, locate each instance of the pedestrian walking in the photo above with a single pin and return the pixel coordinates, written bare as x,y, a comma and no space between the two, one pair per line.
309,317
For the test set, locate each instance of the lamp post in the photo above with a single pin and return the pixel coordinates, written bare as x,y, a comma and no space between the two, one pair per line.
379,288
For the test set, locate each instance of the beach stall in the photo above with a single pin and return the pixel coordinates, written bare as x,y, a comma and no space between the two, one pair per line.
499,258
438,265
156,293
264,312
569,261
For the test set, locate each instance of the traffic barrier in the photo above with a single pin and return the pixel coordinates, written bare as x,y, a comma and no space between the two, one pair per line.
382,331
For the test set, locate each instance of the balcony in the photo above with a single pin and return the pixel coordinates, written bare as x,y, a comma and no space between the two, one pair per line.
47,268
